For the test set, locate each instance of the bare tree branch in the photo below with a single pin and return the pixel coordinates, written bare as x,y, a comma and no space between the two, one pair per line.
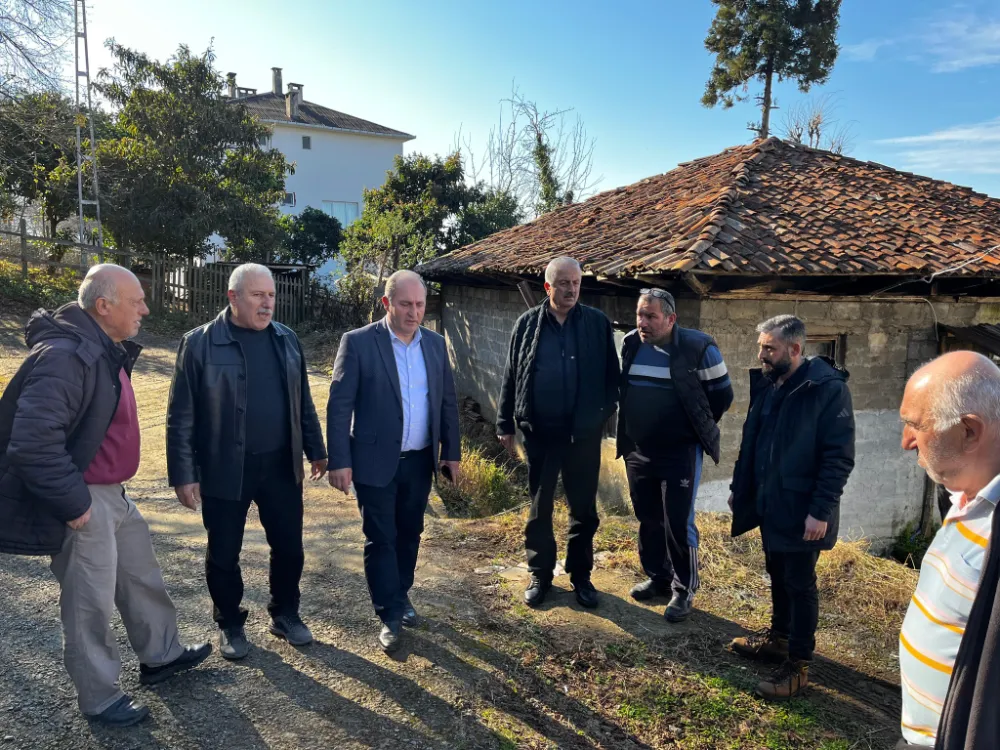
511,164
34,35
812,122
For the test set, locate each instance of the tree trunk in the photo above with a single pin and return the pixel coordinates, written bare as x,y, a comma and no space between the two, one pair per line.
765,119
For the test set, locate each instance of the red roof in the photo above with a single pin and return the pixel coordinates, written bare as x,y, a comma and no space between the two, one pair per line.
768,208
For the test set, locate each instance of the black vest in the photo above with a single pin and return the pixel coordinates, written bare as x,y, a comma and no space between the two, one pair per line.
686,351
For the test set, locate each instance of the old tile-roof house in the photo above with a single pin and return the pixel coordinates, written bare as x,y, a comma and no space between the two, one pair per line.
871,258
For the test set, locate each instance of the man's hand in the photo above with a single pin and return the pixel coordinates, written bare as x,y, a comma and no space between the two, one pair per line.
340,479
189,495
454,467
318,469
78,523
507,441
815,530
730,501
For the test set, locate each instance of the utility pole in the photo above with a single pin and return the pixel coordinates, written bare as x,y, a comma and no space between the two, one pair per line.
84,112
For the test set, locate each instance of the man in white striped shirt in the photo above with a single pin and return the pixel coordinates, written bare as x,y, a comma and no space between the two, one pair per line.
951,417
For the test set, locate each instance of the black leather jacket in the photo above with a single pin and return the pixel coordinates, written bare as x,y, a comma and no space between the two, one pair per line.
208,400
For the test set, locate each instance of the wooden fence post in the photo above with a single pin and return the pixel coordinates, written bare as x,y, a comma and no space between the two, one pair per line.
23,228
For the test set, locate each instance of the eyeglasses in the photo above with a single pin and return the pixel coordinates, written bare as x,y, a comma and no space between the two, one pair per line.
659,294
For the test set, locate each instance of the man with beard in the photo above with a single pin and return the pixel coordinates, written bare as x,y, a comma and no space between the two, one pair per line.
674,390
560,386
239,418
951,418
795,457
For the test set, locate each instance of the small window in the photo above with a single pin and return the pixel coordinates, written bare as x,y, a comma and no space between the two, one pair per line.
265,141
345,212
826,346
288,200
307,142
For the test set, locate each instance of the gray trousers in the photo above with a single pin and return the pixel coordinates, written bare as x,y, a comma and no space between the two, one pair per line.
106,564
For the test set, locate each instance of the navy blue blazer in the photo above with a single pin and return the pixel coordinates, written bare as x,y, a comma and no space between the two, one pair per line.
365,412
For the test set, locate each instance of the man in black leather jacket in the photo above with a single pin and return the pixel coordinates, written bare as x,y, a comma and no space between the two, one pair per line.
239,419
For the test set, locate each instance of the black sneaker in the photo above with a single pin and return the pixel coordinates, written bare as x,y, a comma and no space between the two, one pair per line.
292,629
233,644
585,592
122,713
679,608
190,658
538,587
649,589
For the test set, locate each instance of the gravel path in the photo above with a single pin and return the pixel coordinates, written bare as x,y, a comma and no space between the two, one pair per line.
339,692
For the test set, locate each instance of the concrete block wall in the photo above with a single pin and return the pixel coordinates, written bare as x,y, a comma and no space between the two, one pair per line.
884,342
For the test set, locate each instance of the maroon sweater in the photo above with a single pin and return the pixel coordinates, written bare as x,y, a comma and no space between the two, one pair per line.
117,460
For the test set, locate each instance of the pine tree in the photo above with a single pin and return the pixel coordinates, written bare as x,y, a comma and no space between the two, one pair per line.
761,39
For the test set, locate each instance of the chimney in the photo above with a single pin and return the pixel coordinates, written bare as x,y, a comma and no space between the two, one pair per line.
292,101
231,80
276,81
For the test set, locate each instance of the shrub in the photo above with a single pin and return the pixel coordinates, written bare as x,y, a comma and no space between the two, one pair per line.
485,487
43,287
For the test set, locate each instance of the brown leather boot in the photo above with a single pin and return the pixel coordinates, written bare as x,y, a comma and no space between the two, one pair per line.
764,645
787,681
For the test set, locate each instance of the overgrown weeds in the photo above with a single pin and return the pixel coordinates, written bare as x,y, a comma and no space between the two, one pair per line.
485,487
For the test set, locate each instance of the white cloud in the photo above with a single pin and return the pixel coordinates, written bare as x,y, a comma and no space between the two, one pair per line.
961,43
950,41
864,51
973,149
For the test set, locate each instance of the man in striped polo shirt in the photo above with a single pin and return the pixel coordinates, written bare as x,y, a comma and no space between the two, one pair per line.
674,390
951,417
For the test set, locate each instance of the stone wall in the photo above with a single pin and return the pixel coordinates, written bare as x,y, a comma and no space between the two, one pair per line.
882,343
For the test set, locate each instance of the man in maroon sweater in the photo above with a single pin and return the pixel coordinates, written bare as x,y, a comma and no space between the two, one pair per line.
69,439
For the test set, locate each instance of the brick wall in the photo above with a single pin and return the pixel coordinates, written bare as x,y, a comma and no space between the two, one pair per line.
883,343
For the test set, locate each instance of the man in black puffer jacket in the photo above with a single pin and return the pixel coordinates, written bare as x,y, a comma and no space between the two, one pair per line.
796,455
560,386
69,440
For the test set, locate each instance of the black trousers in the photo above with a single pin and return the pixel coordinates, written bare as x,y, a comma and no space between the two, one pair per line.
794,600
269,481
663,492
579,462
392,519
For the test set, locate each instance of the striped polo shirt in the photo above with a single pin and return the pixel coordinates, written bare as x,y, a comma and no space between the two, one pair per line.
935,621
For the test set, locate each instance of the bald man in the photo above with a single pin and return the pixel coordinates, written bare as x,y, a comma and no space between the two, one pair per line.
69,440
392,423
951,418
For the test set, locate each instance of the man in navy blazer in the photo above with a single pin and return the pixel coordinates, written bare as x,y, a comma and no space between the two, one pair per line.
392,423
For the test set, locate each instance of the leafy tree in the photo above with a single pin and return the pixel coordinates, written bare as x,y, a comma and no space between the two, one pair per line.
763,39
182,163
311,238
425,209
38,143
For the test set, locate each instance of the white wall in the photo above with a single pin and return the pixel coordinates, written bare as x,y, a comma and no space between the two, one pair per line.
338,167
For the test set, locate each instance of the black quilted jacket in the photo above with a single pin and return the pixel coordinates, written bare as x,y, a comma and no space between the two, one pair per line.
598,372
53,418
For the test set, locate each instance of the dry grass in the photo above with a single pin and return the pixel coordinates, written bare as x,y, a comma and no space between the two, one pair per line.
485,487
863,598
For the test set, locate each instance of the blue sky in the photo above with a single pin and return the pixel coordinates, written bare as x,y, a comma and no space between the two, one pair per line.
917,80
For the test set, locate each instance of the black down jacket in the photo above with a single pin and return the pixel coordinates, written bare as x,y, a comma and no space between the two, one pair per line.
812,456
54,415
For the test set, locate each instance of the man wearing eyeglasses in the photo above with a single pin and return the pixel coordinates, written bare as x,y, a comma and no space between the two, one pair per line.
674,389
560,386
